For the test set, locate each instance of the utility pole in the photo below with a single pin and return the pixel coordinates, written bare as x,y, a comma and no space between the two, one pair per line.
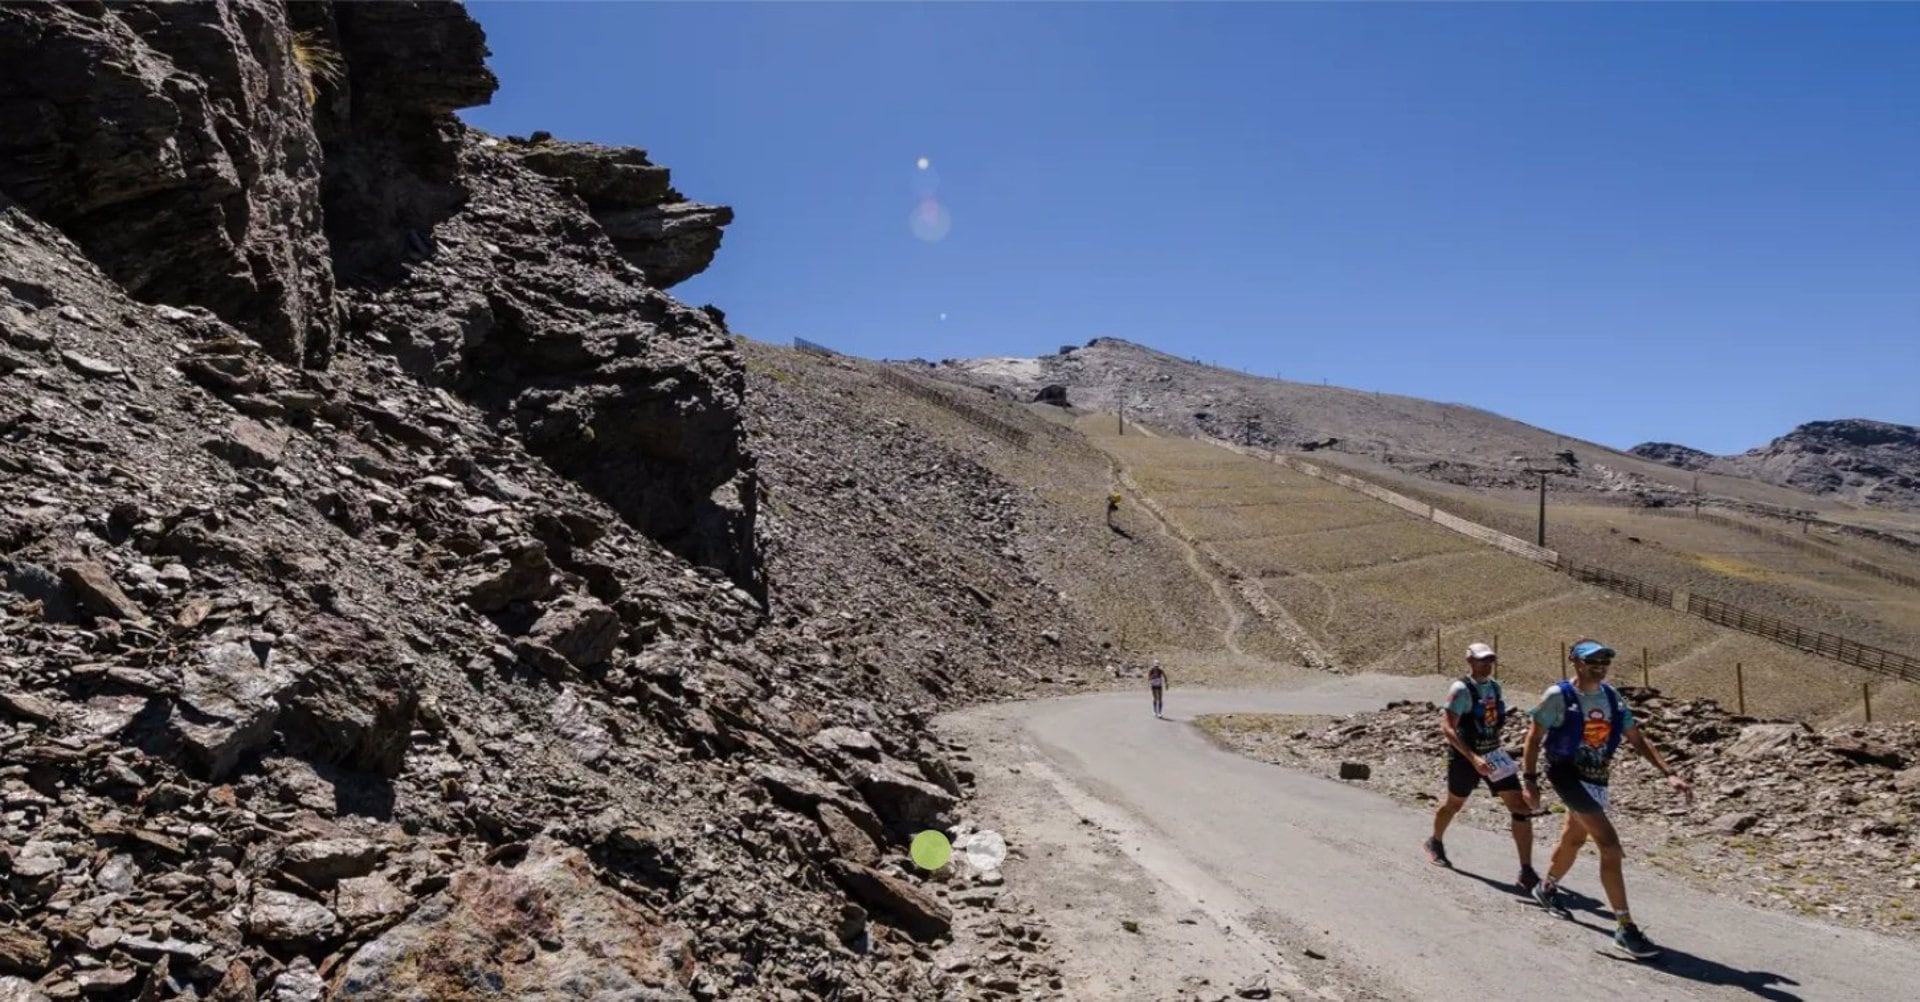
1543,467
1541,537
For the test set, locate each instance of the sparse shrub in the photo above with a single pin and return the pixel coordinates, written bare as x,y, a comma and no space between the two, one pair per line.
318,62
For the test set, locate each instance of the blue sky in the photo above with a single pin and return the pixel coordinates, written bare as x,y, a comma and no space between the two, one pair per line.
1690,223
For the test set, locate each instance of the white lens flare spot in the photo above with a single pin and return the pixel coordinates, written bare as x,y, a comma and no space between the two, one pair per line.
923,163
930,221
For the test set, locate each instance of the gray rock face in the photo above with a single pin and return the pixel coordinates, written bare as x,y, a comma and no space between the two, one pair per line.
580,629
321,862
280,917
913,909
177,149
902,799
652,225
227,707
544,931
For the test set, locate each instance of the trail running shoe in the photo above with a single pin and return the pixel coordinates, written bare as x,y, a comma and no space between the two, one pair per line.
1528,880
1547,893
1634,943
1437,853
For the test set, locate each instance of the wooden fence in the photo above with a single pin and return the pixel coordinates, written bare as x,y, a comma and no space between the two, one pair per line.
1824,644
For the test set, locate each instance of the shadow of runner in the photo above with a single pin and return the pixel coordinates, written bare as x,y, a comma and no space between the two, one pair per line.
1681,964
1677,963
1120,531
1574,900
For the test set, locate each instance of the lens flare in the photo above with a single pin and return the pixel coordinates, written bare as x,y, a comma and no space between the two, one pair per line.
923,163
930,221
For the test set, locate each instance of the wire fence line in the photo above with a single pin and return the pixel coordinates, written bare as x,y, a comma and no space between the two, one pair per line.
925,390
1801,543
1817,642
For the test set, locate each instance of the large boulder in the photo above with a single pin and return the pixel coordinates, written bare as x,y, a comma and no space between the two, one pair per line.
228,704
172,142
912,909
544,931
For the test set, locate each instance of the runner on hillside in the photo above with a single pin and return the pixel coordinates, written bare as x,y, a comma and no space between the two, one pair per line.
1470,724
1157,681
1582,722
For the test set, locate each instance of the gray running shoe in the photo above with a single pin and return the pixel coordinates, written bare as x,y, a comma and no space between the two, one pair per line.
1547,893
1437,853
1634,943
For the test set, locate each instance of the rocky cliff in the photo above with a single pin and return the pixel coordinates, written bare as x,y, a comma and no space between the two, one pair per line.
412,635
1870,462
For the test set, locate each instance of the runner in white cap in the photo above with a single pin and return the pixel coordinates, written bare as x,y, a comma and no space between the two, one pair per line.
1470,725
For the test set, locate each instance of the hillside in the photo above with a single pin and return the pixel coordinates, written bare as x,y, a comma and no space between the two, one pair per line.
1443,442
400,593
1868,462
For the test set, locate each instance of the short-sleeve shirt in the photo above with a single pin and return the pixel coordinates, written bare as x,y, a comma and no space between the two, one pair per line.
1552,708
1460,701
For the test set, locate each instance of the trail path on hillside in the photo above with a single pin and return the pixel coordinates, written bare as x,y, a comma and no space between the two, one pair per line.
1232,870
1229,634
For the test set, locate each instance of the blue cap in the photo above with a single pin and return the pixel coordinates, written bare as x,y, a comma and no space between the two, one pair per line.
1586,649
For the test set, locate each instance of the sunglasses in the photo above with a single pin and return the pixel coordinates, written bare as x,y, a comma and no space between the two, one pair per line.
1598,662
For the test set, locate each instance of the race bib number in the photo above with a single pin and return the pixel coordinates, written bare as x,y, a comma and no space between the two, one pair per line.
1501,764
1597,792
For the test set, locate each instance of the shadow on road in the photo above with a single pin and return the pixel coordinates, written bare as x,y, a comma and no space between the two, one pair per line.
1675,963
1681,964
1119,531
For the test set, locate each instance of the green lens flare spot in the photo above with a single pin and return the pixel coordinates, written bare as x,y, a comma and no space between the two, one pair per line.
930,850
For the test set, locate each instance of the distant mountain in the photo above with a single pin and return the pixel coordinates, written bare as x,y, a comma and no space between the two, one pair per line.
1449,442
1870,462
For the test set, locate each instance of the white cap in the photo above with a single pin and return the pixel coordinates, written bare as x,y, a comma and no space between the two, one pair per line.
1479,651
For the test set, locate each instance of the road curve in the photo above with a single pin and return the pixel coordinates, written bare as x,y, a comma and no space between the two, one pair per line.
1282,850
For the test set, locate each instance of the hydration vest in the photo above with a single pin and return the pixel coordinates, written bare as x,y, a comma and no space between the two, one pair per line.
1480,725
1569,741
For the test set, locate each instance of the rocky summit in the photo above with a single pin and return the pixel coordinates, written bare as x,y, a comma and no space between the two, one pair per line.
401,596
1870,462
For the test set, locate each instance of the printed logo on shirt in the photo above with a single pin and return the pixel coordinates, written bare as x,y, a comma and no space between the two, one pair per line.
1598,728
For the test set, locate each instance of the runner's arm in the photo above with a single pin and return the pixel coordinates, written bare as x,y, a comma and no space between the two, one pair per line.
1450,729
1530,757
1638,739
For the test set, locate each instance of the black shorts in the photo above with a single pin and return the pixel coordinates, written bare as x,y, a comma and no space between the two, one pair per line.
1564,777
1463,778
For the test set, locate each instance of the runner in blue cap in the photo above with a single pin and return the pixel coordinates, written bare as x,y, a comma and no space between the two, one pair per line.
1581,722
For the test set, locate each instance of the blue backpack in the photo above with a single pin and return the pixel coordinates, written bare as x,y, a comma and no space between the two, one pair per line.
1569,739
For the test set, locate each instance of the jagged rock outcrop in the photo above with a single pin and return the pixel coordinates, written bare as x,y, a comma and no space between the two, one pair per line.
495,282
173,143
1678,456
1872,462
666,236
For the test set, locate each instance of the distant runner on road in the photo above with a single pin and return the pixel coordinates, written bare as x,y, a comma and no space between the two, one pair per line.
1470,725
1157,681
1581,722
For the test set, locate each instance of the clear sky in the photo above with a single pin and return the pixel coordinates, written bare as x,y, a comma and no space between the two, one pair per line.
1697,223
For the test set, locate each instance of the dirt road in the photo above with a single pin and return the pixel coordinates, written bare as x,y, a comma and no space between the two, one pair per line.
1230,871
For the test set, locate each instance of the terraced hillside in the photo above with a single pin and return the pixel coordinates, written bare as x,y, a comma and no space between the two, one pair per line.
1372,586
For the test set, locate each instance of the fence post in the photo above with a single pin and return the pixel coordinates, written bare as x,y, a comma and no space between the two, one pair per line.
1866,697
1740,686
1439,660
1563,659
1645,682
